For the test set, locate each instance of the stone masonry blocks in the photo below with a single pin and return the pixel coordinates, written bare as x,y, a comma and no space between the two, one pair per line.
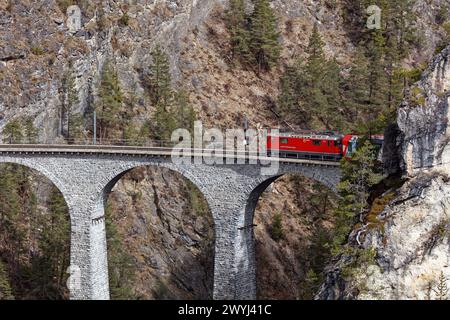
231,191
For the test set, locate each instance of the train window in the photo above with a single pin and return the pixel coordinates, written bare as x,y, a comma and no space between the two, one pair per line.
329,143
284,140
337,143
317,142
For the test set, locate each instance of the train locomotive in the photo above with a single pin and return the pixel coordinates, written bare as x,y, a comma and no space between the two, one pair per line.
324,146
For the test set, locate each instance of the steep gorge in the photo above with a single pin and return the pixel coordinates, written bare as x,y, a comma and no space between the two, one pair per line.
408,238
163,223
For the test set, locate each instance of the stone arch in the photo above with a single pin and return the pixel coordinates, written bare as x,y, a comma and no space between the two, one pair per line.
115,173
327,176
36,166
187,176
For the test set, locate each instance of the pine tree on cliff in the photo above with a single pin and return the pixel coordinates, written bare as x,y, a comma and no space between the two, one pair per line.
401,26
357,88
161,95
238,29
287,100
185,113
264,35
54,241
70,103
30,131
359,174
312,88
159,80
320,84
13,132
109,101
378,82
330,113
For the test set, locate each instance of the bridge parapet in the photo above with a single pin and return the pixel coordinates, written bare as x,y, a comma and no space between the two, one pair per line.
86,174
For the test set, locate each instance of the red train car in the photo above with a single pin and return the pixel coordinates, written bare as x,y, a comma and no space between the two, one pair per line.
327,146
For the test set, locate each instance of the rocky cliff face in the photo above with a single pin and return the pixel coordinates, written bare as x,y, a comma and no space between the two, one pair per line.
423,119
168,231
40,45
409,240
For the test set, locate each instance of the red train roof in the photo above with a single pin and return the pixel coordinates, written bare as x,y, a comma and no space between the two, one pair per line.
309,135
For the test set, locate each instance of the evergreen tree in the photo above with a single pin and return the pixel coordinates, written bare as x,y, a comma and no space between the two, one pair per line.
359,174
308,287
164,123
5,287
330,112
109,101
441,290
35,245
264,35
357,88
70,102
13,132
287,100
76,128
31,132
276,230
159,80
184,111
238,29
48,269
121,266
161,95
313,88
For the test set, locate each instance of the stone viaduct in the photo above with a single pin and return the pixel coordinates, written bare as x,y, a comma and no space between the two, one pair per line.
86,175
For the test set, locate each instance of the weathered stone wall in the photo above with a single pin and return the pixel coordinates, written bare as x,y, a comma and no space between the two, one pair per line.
423,118
230,190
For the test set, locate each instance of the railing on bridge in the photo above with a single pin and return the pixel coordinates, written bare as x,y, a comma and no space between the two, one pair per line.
143,146
89,142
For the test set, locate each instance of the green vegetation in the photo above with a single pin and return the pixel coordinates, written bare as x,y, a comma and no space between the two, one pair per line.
441,290
309,286
276,230
37,51
318,93
237,24
5,287
13,132
311,88
109,102
358,175
254,37
197,201
360,260
125,19
378,205
264,35
173,109
40,272
71,124
121,267
446,27
20,130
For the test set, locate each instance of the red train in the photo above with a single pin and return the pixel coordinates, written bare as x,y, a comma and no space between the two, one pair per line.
325,146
